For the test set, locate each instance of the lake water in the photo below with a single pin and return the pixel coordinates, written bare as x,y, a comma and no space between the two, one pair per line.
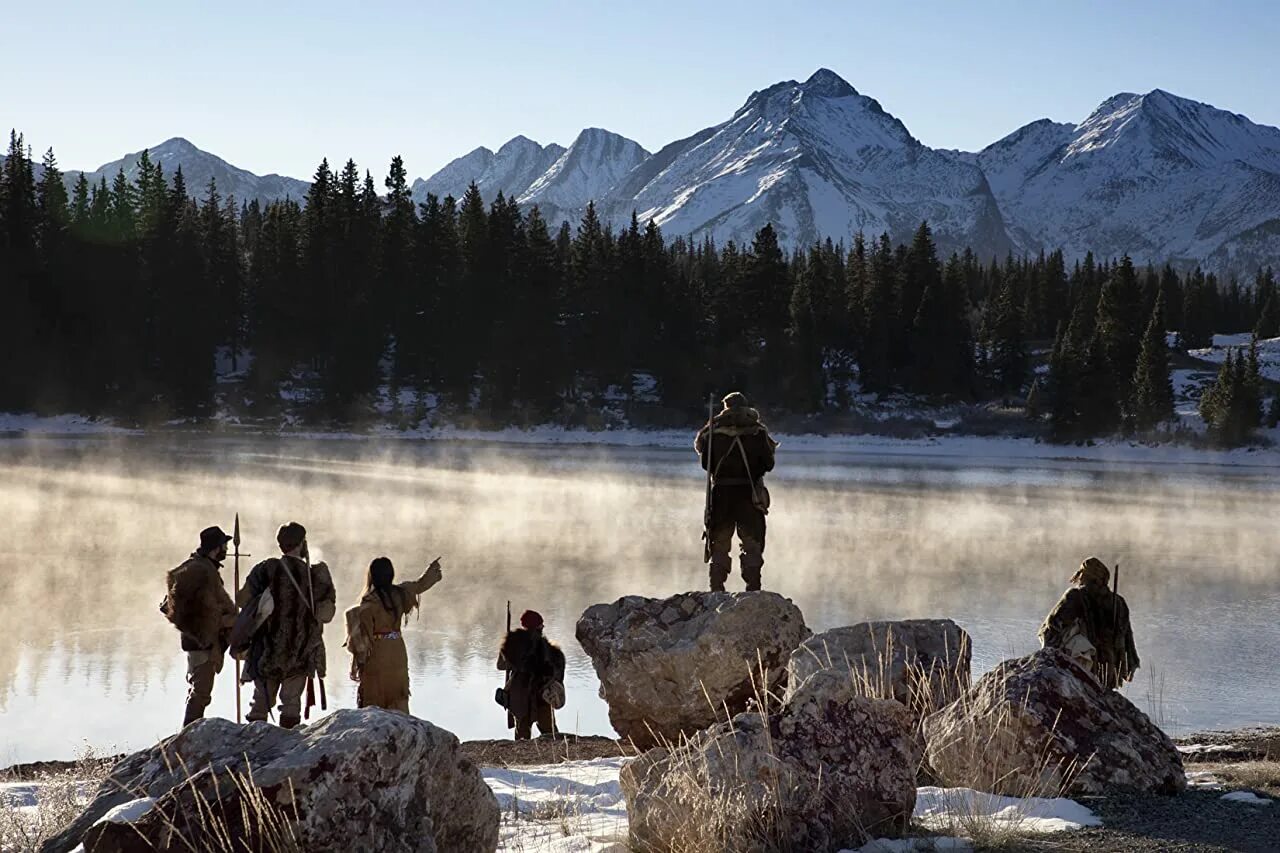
91,526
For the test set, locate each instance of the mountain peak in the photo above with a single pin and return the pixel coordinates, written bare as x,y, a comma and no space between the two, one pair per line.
829,84
177,143
517,142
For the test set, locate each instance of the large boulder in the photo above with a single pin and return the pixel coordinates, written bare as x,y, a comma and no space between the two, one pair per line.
674,666
923,663
1043,725
356,780
822,775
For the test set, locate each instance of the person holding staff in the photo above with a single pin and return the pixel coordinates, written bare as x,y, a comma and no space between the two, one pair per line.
379,659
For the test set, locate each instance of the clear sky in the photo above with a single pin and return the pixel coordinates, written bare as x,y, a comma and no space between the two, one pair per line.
275,86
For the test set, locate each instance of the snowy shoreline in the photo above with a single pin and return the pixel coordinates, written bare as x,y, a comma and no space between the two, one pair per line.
977,448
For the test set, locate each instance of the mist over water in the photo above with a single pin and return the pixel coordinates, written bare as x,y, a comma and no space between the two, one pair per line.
90,528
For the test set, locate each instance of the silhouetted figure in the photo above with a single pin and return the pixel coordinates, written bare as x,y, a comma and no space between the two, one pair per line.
1092,623
379,660
287,652
197,604
742,452
535,677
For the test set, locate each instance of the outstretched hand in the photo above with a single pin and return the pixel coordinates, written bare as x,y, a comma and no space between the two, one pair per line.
434,574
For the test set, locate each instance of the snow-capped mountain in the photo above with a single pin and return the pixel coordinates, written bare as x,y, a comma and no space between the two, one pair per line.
817,160
515,166
198,167
1156,176
591,167
561,181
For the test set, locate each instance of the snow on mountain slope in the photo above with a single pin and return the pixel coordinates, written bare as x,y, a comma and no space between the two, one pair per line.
1156,176
515,166
817,160
198,167
596,162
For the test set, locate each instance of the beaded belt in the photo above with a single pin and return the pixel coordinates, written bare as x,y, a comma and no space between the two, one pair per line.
390,635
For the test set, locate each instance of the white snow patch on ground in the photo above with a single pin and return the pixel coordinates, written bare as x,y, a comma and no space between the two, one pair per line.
1248,797
576,806
911,845
1268,353
1204,779
947,809
58,424
21,796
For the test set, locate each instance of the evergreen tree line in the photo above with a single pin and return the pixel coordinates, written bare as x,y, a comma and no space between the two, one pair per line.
122,296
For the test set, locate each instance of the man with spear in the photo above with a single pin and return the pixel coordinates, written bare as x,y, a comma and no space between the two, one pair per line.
287,656
197,604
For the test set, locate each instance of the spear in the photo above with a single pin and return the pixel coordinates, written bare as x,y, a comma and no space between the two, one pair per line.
706,503
235,539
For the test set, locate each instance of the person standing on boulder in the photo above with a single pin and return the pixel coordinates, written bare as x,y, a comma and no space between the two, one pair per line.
379,659
197,604
288,651
535,677
742,452
1091,623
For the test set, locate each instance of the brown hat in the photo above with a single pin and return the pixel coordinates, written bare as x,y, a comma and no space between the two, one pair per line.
734,400
1092,570
212,538
291,536
531,620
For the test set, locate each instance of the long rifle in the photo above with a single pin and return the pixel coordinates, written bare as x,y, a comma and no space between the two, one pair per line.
1115,627
706,504
511,721
235,539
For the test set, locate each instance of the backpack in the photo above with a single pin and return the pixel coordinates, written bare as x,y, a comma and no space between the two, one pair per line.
249,622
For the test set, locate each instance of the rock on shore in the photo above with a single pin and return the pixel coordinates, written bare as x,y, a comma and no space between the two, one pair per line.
1044,725
824,774
674,666
356,780
923,663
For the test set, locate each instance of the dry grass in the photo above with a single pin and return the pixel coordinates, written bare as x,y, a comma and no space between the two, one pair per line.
987,754
228,812
61,796
1261,776
751,807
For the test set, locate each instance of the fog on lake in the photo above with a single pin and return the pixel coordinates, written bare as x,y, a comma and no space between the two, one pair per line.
91,526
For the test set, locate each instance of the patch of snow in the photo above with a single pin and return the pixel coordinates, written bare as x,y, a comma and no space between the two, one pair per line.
578,807
19,795
1268,353
24,423
945,809
910,845
1247,797
127,812
1204,779
574,807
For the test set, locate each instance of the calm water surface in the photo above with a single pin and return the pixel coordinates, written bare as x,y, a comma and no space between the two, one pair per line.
90,527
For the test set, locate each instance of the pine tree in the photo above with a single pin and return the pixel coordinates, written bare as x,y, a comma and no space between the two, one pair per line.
1066,372
1152,400
1268,325
1006,342
1119,330
808,388
873,355
1034,403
